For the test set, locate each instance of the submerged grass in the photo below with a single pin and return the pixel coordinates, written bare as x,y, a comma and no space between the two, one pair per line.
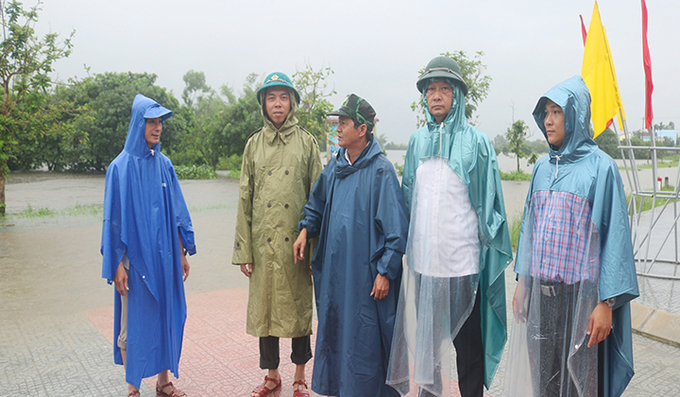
515,176
30,212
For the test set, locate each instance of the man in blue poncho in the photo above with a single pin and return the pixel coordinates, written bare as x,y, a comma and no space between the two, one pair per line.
358,212
453,291
575,266
146,234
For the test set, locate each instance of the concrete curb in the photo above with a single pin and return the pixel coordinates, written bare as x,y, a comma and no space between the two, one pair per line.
656,324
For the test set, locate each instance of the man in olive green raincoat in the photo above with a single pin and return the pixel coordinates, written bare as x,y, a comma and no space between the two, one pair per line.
281,162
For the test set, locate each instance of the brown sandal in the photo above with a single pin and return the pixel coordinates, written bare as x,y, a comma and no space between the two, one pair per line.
175,392
133,394
299,387
262,390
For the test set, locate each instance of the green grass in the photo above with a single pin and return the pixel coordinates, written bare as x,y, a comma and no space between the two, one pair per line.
515,227
515,176
30,212
647,202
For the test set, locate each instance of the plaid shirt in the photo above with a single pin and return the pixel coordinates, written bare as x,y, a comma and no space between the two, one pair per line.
565,242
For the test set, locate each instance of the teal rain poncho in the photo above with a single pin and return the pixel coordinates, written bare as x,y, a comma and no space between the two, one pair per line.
574,251
435,304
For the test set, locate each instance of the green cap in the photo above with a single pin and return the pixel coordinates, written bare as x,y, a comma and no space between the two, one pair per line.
357,109
277,78
442,67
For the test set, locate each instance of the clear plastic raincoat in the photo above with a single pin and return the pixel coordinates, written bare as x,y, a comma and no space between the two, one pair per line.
574,251
456,250
143,210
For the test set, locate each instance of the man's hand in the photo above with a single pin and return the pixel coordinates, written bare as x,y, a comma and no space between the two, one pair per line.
600,324
121,279
518,306
185,267
247,269
299,246
381,287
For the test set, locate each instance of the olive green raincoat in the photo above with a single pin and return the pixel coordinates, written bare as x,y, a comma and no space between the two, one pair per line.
278,172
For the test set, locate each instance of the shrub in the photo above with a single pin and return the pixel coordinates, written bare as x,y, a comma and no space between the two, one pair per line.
195,172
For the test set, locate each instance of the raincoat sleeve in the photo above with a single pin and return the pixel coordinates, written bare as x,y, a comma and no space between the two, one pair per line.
410,165
112,246
314,166
182,217
392,221
617,271
487,196
316,204
243,249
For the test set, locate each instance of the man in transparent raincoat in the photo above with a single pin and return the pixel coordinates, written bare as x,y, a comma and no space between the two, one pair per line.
576,274
458,248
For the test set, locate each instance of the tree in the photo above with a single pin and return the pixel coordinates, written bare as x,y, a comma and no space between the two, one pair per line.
110,96
194,86
515,137
25,64
609,143
473,74
314,107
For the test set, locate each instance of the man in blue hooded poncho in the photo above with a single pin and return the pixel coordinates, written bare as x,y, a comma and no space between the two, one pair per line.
146,234
357,210
575,266
453,290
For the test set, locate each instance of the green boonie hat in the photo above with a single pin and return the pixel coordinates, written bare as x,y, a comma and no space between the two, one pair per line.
357,109
274,79
442,67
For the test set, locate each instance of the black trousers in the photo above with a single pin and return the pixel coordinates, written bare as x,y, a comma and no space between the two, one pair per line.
469,352
549,362
269,351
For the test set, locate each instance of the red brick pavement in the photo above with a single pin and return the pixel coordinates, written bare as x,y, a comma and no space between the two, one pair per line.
218,357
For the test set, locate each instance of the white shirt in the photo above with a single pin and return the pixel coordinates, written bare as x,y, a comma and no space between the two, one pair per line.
444,239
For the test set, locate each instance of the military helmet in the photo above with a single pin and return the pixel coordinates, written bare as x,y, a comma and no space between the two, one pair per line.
442,67
278,78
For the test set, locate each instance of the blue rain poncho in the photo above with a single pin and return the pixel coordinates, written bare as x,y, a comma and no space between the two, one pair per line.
359,215
144,216
574,251
435,304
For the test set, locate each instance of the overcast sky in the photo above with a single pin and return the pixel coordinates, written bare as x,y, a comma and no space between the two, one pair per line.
375,47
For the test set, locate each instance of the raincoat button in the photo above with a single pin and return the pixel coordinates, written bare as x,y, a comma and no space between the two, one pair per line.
238,244
286,172
269,240
269,205
286,206
286,239
269,173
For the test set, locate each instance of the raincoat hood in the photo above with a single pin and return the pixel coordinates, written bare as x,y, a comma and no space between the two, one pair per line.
573,97
143,108
363,160
455,120
291,119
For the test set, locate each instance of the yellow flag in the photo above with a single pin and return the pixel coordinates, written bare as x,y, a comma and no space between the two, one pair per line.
600,77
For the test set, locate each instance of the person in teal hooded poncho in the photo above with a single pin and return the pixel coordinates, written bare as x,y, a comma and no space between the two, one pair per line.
575,264
146,234
459,246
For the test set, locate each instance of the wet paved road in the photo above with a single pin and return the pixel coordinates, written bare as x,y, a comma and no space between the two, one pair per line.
56,310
